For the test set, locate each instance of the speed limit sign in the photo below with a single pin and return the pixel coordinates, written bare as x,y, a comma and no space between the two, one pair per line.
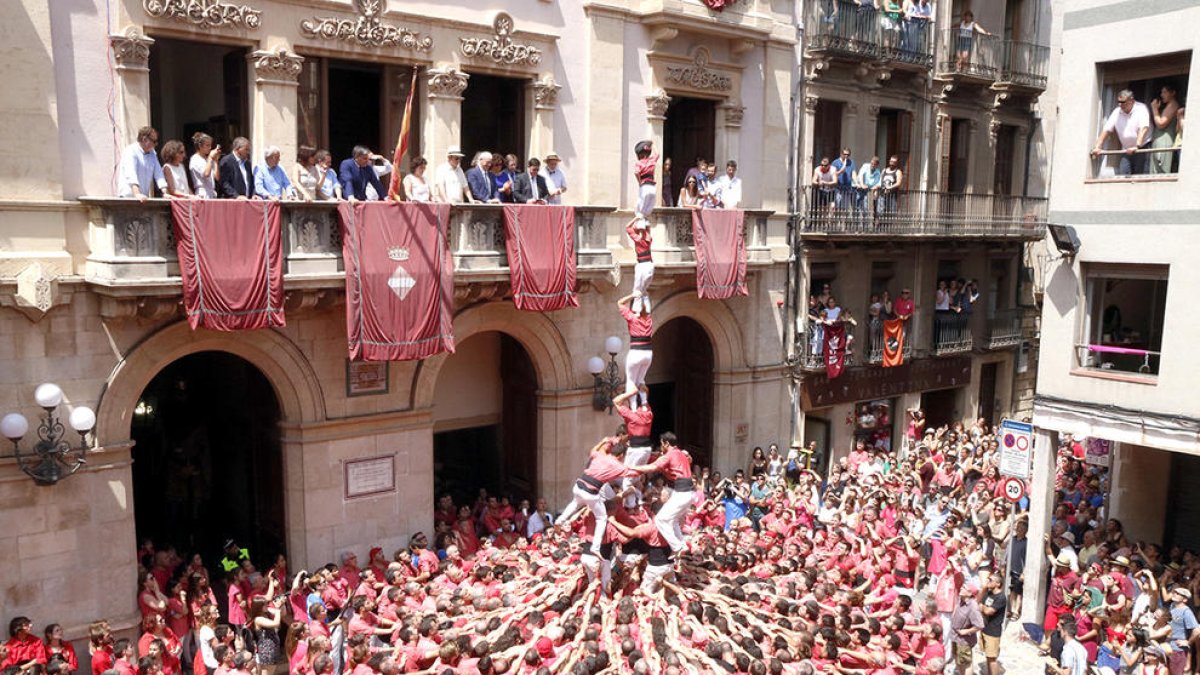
1014,489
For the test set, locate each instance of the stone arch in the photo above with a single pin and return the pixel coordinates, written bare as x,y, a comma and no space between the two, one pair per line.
536,333
278,358
716,319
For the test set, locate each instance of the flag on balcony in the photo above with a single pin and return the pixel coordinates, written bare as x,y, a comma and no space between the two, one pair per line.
231,261
540,242
718,235
402,140
399,280
835,349
893,342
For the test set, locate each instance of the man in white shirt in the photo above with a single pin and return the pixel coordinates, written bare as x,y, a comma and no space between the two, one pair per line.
539,520
556,180
1074,659
1130,123
450,183
140,168
731,187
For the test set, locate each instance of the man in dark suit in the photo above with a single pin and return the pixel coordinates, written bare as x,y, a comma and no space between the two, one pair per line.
479,179
529,187
356,173
237,175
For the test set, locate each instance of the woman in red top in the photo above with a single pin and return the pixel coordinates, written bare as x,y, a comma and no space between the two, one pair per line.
468,540
177,608
151,601
56,645
100,646
24,648
154,627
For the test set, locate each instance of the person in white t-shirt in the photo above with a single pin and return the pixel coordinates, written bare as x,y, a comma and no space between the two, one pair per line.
730,187
450,183
1130,124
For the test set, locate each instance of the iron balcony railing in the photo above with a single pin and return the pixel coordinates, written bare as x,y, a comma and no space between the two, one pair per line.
970,54
854,211
812,352
858,30
877,343
951,333
1004,329
1025,64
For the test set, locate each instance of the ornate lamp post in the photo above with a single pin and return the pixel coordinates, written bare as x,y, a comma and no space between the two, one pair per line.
606,376
52,457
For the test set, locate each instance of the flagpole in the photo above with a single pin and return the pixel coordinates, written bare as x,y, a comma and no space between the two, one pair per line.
402,141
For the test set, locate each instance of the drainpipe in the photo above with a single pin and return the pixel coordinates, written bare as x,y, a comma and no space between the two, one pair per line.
795,220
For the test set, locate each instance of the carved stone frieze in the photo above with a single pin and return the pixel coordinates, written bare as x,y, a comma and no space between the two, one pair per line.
500,48
545,93
131,49
810,103
734,112
367,30
205,13
276,67
446,82
698,75
873,111
656,105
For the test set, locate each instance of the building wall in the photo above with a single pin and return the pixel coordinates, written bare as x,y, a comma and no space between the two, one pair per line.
1138,494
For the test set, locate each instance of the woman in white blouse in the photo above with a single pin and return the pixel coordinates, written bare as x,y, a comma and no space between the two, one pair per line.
308,177
415,187
204,165
172,155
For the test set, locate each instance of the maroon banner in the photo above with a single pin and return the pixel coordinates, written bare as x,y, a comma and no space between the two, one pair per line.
231,261
835,349
399,280
540,241
893,343
720,253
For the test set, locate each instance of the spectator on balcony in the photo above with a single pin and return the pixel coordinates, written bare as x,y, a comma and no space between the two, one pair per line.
843,168
1165,112
689,195
891,181
943,298
700,172
204,166
415,187
173,154
893,13
968,295
512,163
479,178
668,191
965,43
307,177
875,311
556,179
918,16
501,178
331,187
449,183
237,174
885,299
731,187
713,198
826,291
824,182
357,173
270,180
1130,123
904,306
816,326
530,187
140,169
866,190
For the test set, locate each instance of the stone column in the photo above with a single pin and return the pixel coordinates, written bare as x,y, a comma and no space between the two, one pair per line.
276,85
943,125
443,111
131,53
806,153
543,99
851,136
606,158
656,116
730,133
1041,508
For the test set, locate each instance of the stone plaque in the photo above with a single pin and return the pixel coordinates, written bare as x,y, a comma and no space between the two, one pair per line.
364,378
373,476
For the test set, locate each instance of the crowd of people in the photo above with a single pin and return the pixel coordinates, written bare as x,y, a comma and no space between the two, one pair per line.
860,195
903,29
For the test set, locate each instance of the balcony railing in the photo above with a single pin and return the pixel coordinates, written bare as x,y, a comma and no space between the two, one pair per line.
678,246
951,333
1004,329
1118,359
133,242
876,342
850,211
1144,164
970,55
812,353
1025,64
850,30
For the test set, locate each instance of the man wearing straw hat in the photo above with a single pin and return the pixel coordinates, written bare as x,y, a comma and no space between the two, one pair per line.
556,180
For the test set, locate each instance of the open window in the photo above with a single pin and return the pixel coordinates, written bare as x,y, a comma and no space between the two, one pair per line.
1163,78
1123,324
182,104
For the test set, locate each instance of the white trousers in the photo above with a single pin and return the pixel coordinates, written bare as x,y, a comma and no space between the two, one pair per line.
637,364
634,457
654,576
592,564
647,192
583,498
643,274
670,516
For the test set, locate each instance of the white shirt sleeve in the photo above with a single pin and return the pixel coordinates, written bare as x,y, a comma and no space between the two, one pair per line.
1111,123
127,175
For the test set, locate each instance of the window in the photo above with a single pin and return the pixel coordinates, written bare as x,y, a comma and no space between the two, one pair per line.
689,135
827,130
893,136
1163,78
958,158
1123,321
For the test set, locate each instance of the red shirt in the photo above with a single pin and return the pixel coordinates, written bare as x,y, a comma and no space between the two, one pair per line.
102,660
637,422
903,306
674,464
644,169
639,326
604,468
641,242
23,651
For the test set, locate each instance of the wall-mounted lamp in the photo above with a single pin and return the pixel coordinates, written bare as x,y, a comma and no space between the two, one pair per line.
606,376
52,458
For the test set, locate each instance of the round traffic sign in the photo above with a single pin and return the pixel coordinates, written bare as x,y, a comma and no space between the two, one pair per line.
1014,489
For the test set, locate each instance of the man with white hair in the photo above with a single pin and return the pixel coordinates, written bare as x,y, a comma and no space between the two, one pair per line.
270,180
1129,123
479,179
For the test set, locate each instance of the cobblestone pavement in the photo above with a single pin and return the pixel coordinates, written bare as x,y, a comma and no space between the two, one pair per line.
1018,655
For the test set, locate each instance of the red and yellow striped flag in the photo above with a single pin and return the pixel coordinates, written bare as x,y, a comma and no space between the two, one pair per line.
402,141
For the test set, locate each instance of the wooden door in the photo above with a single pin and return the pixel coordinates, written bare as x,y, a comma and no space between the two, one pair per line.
519,419
689,133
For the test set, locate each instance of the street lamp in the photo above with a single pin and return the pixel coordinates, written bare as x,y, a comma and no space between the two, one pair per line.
52,458
606,376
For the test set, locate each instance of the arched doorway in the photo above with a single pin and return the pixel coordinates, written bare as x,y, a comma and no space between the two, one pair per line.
207,461
681,386
485,420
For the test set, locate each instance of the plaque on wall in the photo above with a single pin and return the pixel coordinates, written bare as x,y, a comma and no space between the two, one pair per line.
372,476
366,378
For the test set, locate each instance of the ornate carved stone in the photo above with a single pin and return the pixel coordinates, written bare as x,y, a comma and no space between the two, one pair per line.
660,35
946,91
851,108
733,114
656,105
446,82
205,13
500,48
873,111
131,49
37,292
941,119
810,104
994,125
814,67
367,30
698,75
545,93
999,99
883,74
739,47
276,67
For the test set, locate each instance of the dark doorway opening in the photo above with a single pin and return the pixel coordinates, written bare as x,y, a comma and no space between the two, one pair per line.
681,386
988,375
893,136
940,408
207,462
690,133
182,104
493,116
960,156
355,108
827,130
500,457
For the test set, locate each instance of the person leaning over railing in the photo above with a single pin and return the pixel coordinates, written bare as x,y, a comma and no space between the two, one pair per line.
866,190
1129,122
270,180
140,169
